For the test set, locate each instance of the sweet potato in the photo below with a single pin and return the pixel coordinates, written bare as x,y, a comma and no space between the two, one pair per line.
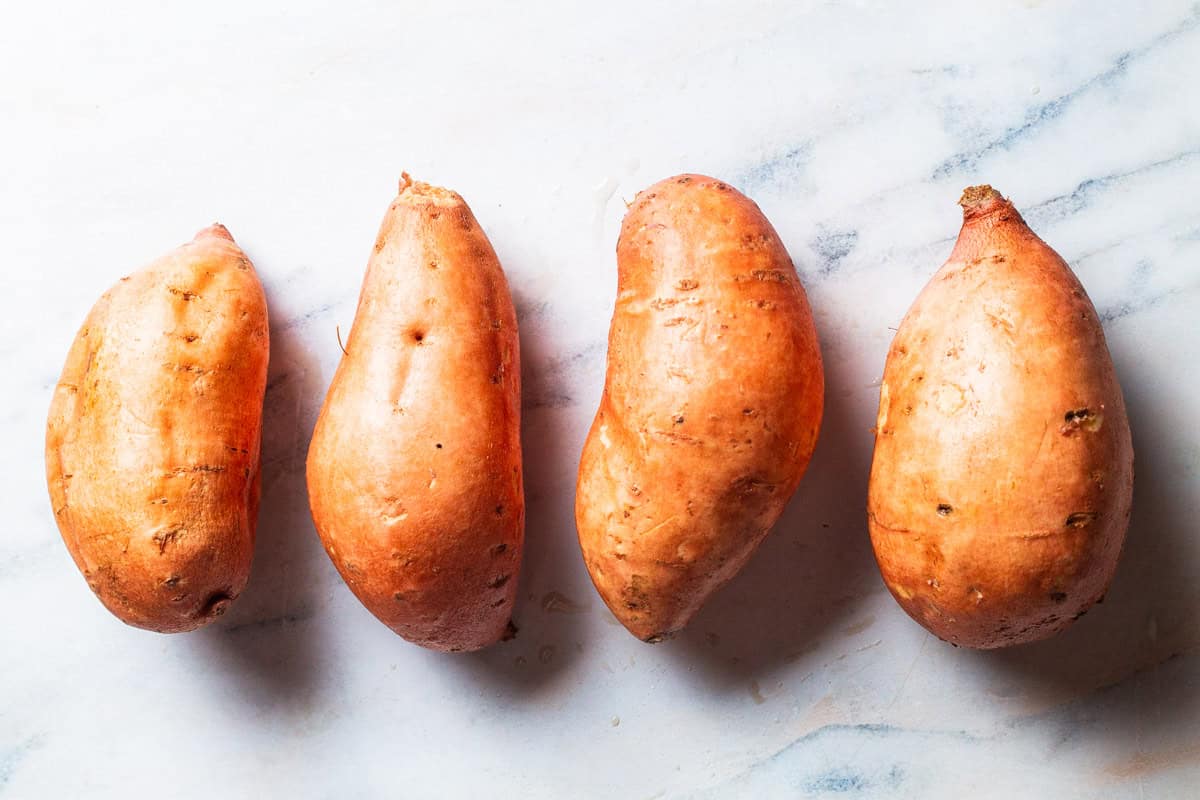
711,405
152,443
1002,478
414,471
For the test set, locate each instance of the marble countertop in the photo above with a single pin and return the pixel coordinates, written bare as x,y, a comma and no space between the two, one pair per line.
855,126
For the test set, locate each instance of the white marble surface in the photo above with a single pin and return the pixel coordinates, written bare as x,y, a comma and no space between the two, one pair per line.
855,126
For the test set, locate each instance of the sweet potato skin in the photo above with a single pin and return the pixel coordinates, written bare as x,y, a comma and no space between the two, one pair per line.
153,436
414,470
711,407
1002,478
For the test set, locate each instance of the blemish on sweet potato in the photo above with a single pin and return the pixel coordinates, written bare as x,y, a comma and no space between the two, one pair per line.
167,538
770,275
634,594
1081,519
217,604
1079,419
198,468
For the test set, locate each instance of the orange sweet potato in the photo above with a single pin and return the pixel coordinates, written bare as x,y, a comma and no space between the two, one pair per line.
414,471
1002,478
711,405
152,443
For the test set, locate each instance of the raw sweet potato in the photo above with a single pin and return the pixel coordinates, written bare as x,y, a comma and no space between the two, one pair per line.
1003,471
414,471
152,444
711,404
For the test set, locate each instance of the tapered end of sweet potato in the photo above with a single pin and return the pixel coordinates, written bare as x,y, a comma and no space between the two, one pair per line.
420,191
216,230
979,200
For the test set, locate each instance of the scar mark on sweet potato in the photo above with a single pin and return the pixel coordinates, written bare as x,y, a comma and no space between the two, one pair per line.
634,595
752,242
1081,519
766,275
889,528
1000,321
184,293
499,581
748,484
687,285
198,468
192,368
674,436
165,539
216,604
653,528
1081,419
682,374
